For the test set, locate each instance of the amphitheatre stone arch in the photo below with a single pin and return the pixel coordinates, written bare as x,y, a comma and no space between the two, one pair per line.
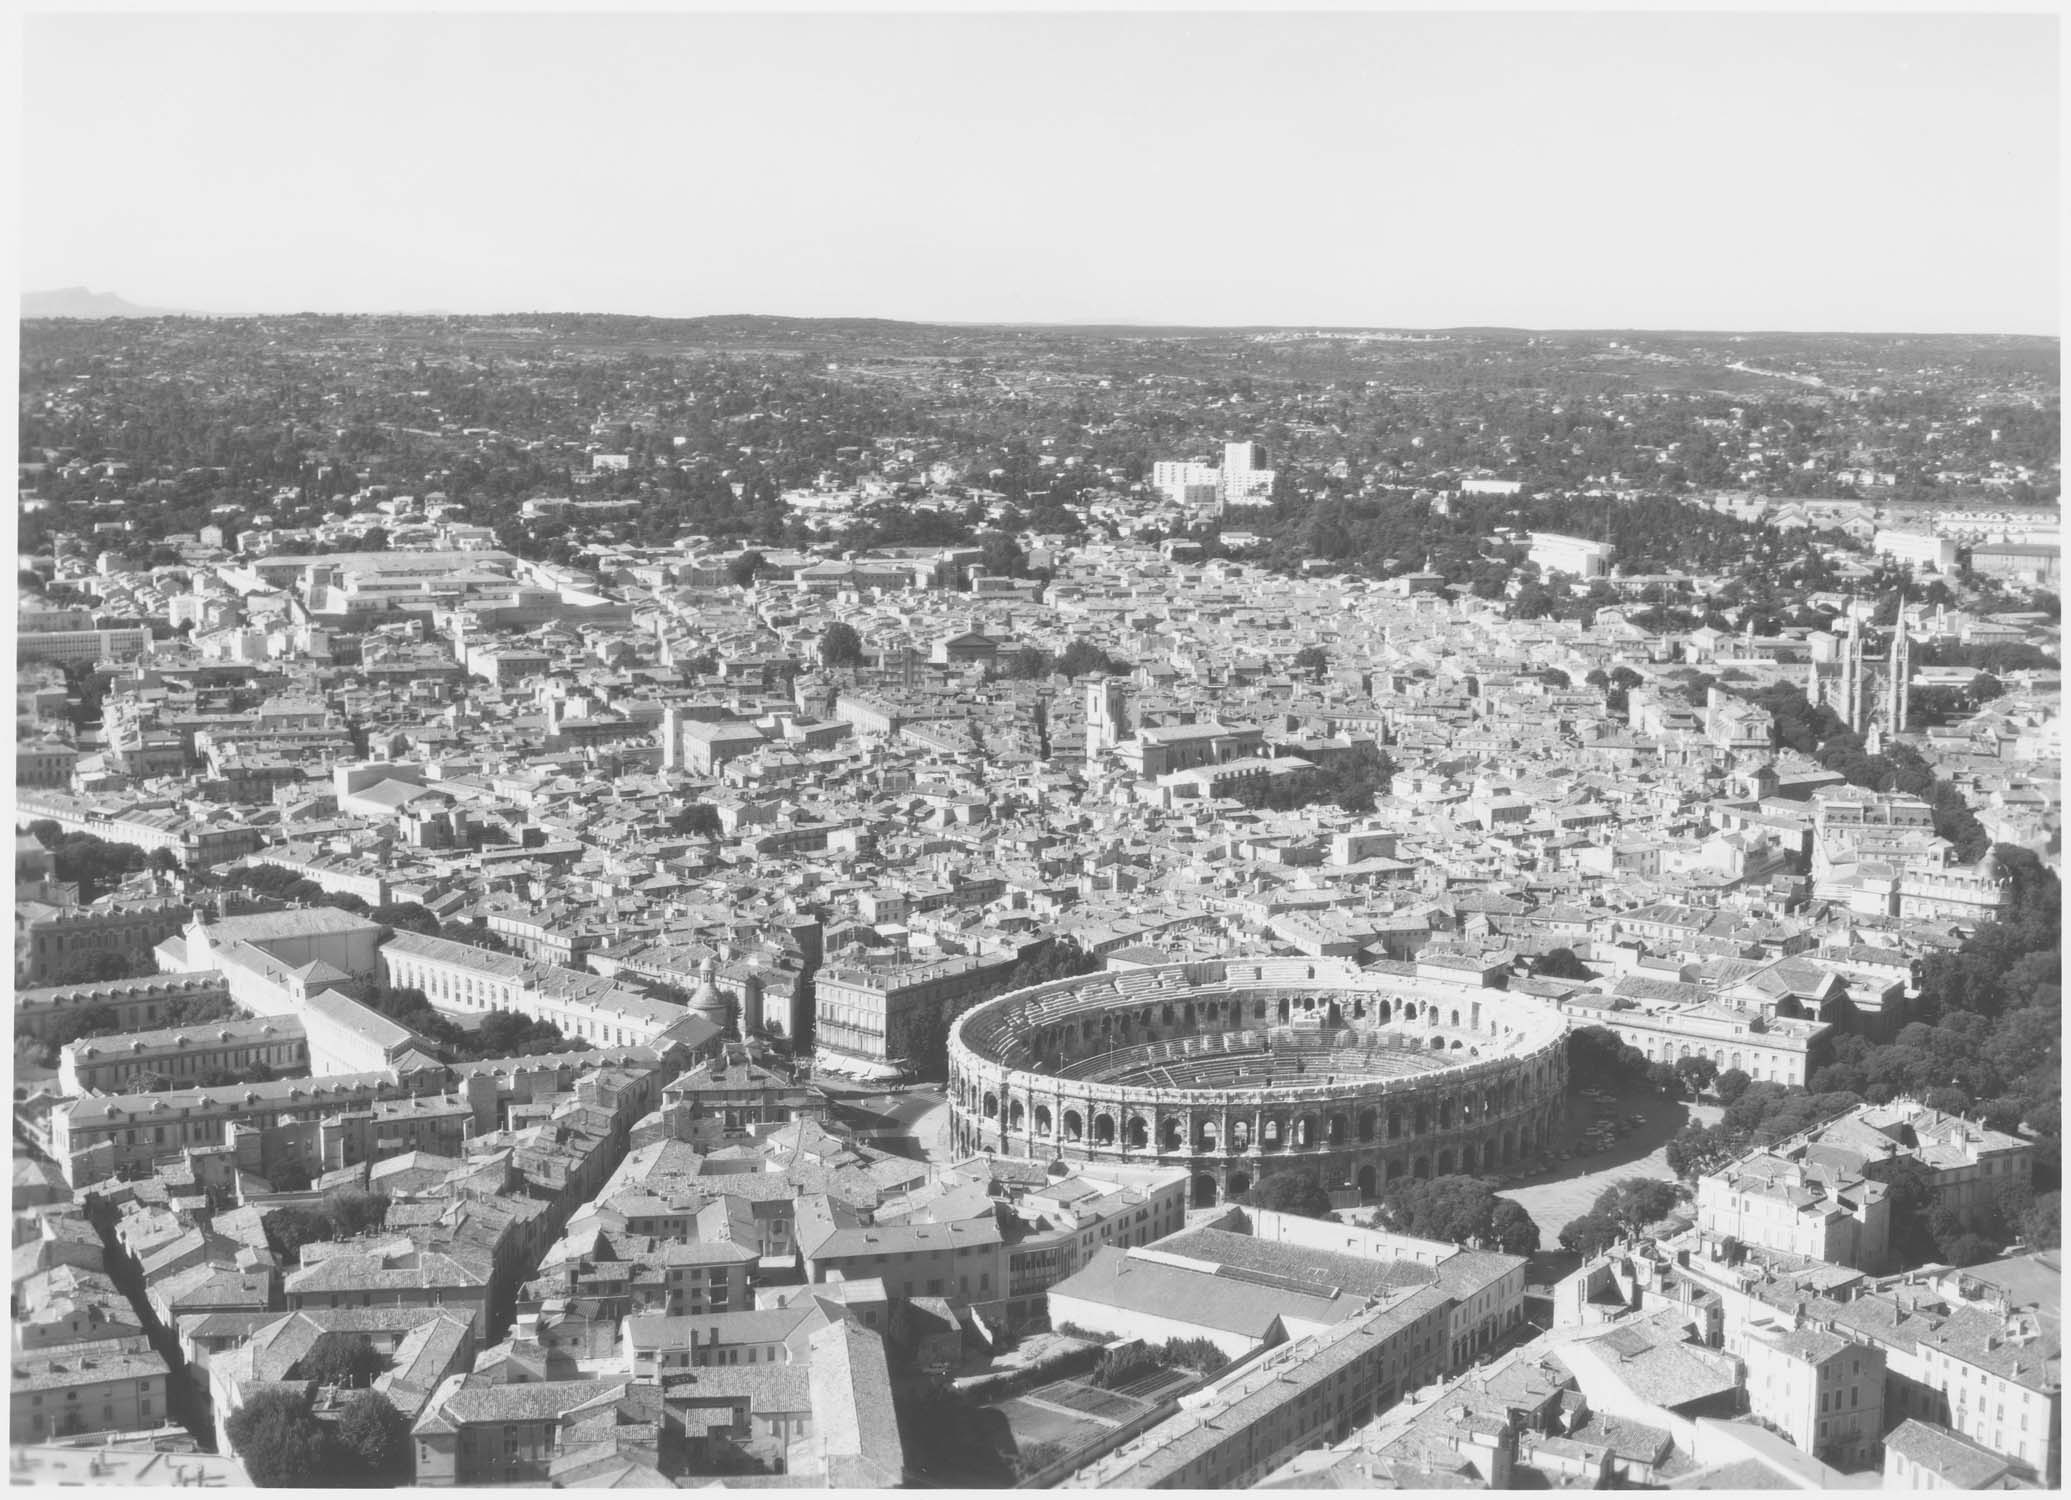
1370,1076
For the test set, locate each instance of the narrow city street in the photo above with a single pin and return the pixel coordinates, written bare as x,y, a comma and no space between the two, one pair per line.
921,1112
930,1125
912,1119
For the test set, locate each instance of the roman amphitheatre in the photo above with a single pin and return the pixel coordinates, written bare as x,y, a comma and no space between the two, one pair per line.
1239,1068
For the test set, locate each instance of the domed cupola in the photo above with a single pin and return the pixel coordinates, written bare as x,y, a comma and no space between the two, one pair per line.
709,1002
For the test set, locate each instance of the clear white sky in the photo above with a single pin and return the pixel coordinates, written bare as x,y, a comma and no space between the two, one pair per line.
1637,170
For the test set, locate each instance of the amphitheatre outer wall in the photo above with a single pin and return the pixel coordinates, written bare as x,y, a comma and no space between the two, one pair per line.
1237,1069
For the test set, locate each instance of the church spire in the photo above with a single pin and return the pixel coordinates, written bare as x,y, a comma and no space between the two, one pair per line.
1898,679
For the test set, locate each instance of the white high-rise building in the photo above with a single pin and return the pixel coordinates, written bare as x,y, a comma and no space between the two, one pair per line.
1576,556
1245,478
1190,484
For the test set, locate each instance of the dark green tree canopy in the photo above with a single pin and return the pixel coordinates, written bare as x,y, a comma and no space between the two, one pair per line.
1295,1191
375,1438
282,1444
1599,1058
347,1359
1730,1085
1560,963
1003,555
1460,1209
1697,1071
1513,1230
840,646
1082,657
1622,1210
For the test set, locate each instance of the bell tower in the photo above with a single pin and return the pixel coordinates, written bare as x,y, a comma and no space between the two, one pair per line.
1105,718
1898,681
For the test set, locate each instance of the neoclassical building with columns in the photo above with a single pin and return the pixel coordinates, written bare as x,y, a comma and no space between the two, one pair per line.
1240,1068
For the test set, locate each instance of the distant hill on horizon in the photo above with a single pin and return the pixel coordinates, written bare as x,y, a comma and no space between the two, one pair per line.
764,322
79,302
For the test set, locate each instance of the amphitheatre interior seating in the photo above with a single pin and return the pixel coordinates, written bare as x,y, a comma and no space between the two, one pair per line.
1248,1060
1149,1029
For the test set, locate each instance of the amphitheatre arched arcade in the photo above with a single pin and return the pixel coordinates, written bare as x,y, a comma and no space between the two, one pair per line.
1236,1069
